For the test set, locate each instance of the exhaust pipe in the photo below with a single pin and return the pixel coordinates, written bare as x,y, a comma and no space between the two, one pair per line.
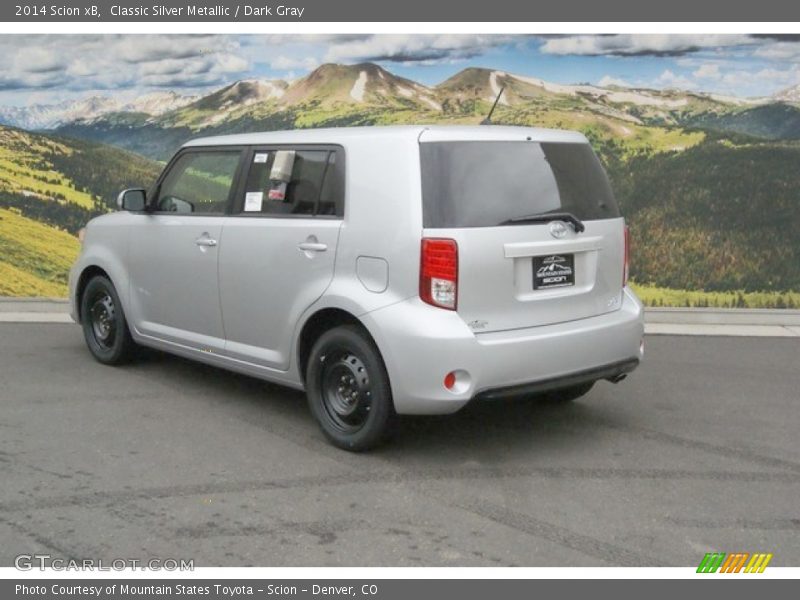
617,378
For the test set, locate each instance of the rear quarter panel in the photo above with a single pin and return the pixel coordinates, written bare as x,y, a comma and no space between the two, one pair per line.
383,220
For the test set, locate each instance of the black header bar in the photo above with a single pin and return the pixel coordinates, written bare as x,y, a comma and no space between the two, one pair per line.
444,11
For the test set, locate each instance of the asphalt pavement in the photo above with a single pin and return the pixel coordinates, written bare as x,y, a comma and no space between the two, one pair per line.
697,451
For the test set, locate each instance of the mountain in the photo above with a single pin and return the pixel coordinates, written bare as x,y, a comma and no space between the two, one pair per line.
219,105
361,84
485,84
157,103
367,94
791,95
51,116
779,121
329,88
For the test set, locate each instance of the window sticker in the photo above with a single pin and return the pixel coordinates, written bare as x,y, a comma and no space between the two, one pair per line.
253,201
260,157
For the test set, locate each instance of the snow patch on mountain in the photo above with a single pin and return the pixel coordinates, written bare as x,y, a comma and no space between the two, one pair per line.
496,88
405,92
359,87
431,102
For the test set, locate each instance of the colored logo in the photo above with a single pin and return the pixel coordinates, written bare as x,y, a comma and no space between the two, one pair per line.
736,562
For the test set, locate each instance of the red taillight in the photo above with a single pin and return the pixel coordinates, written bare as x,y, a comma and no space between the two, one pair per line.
626,268
438,272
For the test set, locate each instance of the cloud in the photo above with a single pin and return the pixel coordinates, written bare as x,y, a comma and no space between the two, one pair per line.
286,63
137,49
668,79
38,60
707,71
608,81
97,62
782,51
766,77
414,48
641,45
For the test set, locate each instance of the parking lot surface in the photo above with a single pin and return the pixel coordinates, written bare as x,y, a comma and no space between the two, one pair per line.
697,451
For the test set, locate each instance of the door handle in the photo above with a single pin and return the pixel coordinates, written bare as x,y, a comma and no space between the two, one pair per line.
312,247
205,241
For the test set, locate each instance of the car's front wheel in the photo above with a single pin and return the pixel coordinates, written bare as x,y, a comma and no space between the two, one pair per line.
104,325
348,389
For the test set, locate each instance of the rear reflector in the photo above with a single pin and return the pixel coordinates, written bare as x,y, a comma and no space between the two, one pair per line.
450,380
626,267
438,272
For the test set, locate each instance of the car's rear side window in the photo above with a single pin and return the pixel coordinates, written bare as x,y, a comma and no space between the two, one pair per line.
484,184
294,182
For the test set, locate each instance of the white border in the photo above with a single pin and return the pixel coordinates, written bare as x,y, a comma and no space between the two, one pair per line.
403,27
378,573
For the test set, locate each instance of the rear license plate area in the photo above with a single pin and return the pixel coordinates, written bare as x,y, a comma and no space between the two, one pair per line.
554,270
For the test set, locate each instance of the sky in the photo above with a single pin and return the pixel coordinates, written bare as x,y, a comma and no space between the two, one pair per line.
45,69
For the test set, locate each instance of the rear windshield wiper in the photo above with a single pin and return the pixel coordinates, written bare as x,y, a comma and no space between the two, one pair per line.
577,224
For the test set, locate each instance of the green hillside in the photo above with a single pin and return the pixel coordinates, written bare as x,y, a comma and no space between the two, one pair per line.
773,121
26,170
34,258
49,188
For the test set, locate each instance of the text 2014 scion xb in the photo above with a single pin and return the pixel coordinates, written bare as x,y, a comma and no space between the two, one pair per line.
385,271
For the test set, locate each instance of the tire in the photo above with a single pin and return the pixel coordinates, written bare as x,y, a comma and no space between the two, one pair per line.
348,389
568,394
104,325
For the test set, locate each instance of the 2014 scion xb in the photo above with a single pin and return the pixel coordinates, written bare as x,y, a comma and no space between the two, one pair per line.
385,271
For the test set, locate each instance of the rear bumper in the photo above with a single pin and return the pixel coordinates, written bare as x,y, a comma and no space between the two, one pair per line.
612,372
421,344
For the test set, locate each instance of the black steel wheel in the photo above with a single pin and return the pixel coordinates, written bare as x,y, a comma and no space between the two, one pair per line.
346,392
102,317
104,326
348,389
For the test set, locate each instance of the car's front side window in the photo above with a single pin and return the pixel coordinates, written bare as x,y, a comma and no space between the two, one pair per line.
199,183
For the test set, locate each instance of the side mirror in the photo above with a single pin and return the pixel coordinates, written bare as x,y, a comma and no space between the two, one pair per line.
133,199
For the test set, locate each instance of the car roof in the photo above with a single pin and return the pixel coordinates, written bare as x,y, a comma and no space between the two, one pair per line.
422,133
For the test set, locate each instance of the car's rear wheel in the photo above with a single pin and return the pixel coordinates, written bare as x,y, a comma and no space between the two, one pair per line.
568,394
104,325
348,389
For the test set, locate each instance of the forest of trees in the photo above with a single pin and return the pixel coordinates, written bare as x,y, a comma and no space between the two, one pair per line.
718,216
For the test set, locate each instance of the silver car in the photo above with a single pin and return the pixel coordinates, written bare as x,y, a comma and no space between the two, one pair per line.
385,271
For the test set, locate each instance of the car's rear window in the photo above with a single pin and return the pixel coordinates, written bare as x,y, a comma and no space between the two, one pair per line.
484,184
